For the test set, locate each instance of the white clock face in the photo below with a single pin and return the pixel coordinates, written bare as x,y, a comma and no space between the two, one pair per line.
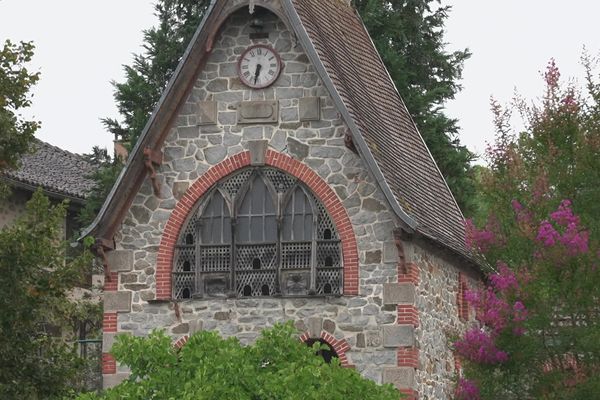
259,66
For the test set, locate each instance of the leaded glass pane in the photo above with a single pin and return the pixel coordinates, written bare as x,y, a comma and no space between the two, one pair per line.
257,220
215,221
298,217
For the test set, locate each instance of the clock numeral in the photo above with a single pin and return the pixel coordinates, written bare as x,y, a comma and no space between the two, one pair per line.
247,59
273,65
245,66
271,59
271,72
247,74
252,54
259,51
258,79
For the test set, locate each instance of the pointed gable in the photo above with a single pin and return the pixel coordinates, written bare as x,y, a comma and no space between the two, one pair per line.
339,46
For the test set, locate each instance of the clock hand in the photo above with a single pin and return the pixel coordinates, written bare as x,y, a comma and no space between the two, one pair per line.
258,68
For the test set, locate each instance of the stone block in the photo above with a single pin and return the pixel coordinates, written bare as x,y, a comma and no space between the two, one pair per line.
398,336
400,377
179,189
258,151
398,293
117,302
108,339
195,326
390,252
109,381
120,260
315,326
310,108
207,112
297,149
255,112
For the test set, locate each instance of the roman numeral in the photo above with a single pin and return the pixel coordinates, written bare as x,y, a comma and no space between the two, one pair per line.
273,65
271,72
259,51
252,54
247,74
245,66
271,59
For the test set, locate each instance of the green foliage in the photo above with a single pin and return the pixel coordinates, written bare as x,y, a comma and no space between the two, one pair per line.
409,35
526,195
34,281
105,175
16,134
277,366
150,72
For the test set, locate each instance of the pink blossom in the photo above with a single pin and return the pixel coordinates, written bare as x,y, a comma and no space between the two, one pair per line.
478,346
505,278
547,234
467,390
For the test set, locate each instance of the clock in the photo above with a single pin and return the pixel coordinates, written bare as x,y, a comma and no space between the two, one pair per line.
259,66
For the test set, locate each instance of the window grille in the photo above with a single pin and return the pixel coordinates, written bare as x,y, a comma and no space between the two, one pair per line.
259,232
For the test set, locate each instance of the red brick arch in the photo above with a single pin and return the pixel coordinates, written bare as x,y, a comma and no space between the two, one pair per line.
339,346
274,159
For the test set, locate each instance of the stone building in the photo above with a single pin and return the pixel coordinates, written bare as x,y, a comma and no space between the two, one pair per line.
280,178
60,174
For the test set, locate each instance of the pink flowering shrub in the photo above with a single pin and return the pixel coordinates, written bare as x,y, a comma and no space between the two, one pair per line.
467,390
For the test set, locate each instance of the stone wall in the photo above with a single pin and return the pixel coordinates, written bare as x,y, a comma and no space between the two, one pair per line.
364,324
439,318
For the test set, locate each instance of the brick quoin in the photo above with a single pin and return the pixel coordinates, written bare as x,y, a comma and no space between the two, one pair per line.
109,325
461,300
324,193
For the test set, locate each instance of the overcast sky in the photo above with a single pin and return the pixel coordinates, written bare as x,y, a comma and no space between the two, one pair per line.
82,45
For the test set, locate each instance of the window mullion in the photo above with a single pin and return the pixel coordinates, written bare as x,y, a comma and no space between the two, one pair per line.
313,255
233,253
279,219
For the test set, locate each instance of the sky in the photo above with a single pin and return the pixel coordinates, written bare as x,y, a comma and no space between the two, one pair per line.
82,45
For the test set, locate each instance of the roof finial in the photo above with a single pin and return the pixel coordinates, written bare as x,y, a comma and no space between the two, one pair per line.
251,7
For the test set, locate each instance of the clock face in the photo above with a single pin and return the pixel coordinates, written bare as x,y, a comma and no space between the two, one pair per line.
259,66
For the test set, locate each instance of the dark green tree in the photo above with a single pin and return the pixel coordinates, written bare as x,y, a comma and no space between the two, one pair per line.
16,134
35,280
409,35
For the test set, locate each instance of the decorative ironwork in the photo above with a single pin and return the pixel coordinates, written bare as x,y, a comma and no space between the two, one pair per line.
233,243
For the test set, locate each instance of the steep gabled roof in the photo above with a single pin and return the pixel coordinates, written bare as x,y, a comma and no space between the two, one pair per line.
58,172
339,46
343,46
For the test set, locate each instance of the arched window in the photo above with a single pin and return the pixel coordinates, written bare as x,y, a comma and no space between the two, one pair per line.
259,232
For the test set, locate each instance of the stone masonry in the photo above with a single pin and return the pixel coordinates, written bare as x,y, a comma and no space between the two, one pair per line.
392,331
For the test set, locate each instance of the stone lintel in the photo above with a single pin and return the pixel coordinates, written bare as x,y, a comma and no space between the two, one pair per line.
112,380
315,326
400,377
390,252
207,113
398,293
258,151
309,108
398,336
120,260
108,339
117,302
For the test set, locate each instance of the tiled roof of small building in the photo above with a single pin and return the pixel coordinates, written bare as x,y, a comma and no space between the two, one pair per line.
362,81
55,170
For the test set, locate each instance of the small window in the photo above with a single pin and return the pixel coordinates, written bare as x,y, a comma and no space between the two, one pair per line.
326,351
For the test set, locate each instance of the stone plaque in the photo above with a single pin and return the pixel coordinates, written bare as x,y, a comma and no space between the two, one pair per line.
254,112
296,283
310,108
207,112
398,293
216,285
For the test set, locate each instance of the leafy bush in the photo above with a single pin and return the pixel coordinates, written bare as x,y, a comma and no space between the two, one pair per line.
277,366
